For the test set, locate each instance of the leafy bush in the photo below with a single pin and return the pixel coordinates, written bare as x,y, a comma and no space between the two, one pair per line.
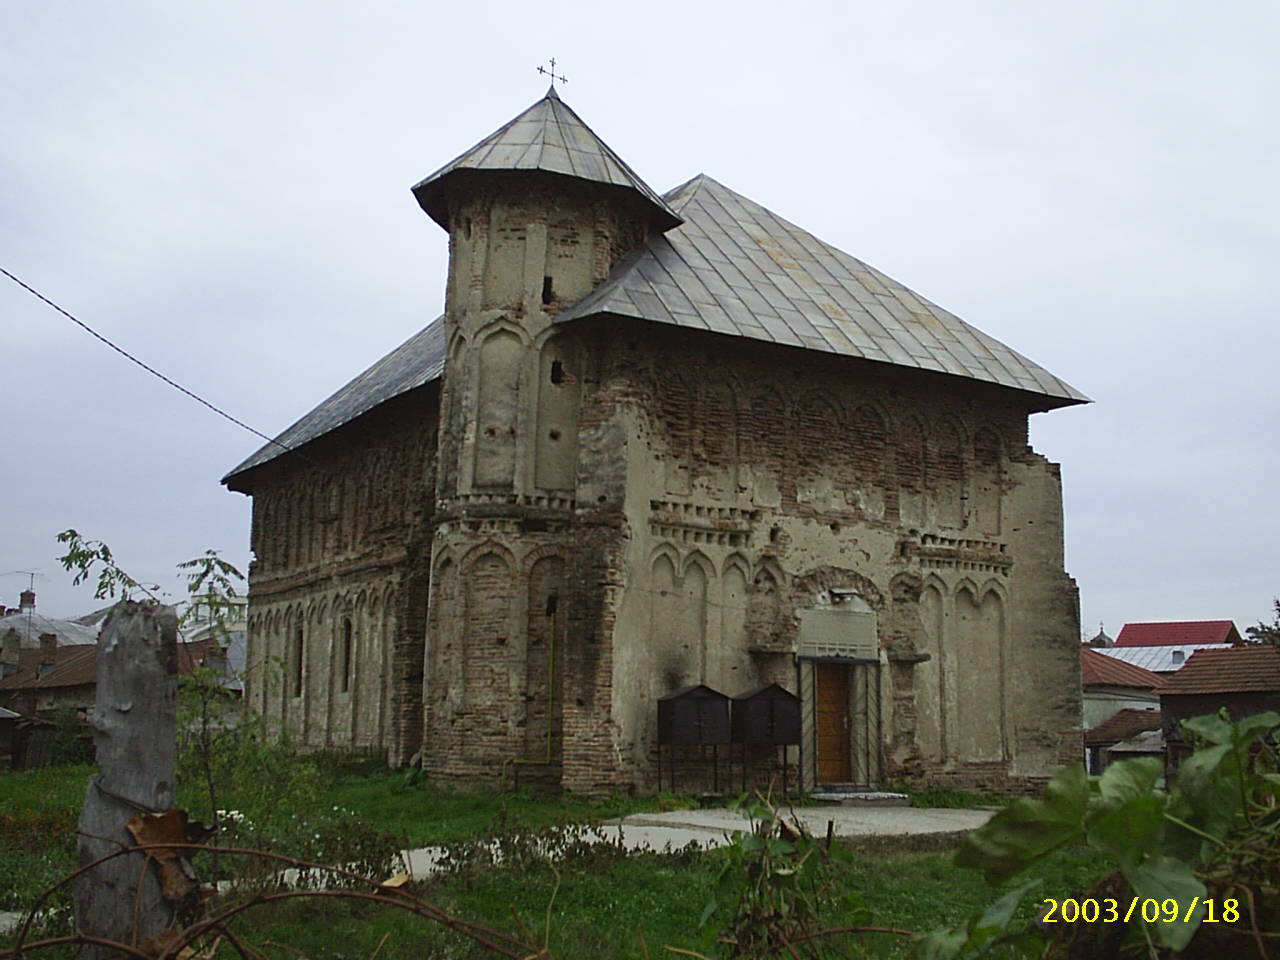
782,893
1215,834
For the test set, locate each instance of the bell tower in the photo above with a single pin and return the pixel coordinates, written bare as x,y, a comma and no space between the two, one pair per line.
516,669
537,214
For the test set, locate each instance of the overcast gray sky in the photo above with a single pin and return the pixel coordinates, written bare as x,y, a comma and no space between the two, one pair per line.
223,190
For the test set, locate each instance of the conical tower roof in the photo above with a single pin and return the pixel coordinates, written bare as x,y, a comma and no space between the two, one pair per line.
551,138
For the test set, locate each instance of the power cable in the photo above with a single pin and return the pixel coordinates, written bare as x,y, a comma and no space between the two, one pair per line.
151,370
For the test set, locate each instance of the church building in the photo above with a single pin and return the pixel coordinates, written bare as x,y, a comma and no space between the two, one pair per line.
659,442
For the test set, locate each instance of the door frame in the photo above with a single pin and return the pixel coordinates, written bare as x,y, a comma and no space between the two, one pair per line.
866,723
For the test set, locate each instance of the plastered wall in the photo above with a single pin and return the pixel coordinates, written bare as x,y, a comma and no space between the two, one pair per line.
758,483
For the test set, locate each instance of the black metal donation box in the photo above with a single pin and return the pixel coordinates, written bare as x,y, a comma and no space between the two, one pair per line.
766,715
693,716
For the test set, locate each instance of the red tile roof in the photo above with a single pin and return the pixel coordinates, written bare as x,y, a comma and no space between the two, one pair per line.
1097,669
1228,670
1177,632
1123,725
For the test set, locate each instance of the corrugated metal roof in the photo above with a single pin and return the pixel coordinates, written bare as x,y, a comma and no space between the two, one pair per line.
551,138
1230,670
417,361
1161,659
1178,632
734,267
31,626
1099,670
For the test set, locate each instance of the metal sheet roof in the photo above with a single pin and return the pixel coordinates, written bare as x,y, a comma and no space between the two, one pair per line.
731,267
30,627
551,138
1159,659
734,267
417,361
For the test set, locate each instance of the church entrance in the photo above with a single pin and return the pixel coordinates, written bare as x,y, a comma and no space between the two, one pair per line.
846,715
832,725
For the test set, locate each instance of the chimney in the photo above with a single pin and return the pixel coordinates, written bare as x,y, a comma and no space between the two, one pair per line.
27,600
9,656
48,649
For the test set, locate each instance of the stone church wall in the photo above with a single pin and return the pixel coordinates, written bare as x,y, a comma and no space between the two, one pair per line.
758,481
338,587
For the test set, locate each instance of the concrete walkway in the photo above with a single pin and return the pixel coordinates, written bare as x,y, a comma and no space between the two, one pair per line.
711,827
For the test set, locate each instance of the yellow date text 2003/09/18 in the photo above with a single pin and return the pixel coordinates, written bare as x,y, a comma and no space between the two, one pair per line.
1148,910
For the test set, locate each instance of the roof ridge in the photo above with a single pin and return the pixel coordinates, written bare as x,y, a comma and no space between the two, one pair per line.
692,185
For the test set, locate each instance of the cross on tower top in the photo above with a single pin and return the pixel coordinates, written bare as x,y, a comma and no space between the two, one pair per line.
552,73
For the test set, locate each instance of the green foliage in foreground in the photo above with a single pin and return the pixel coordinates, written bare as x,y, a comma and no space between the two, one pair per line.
1214,834
599,905
599,897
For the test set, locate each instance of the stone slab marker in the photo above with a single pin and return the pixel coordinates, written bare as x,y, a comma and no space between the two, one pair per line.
134,724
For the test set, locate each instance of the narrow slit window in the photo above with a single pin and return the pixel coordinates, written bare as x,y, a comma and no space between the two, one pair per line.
547,294
298,652
348,643
557,371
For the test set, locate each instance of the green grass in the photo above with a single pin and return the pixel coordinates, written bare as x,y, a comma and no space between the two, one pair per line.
429,814
603,898
610,909
51,790
945,797
38,814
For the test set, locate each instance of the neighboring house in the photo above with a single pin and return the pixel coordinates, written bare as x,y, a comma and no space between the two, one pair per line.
231,634
1164,647
65,677
8,732
1160,660
1111,685
655,442
1116,729
29,626
1243,680
1179,633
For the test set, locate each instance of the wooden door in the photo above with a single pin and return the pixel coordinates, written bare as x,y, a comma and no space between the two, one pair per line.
833,722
